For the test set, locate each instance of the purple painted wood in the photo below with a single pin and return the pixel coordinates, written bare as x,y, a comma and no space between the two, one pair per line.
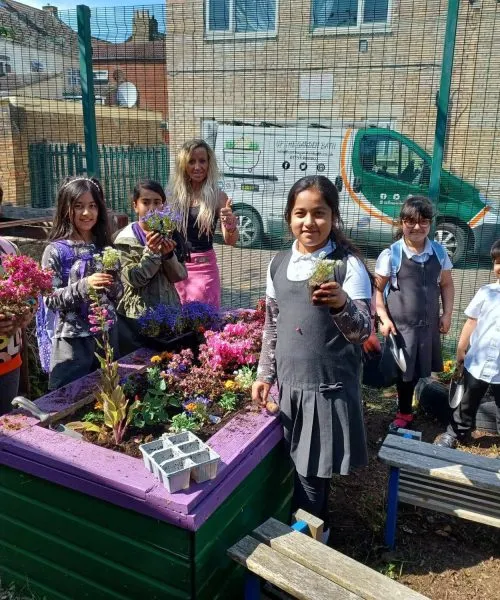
121,479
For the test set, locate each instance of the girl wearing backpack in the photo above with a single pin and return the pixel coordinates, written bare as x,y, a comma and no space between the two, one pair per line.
150,265
411,276
79,231
312,344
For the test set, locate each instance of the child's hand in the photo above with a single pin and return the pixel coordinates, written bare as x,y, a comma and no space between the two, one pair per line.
260,392
8,325
167,246
154,242
387,327
98,281
444,323
330,294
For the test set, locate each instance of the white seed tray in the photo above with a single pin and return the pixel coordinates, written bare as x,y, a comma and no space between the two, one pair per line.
177,458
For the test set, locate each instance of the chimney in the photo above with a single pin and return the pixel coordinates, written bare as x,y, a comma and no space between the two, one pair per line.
141,26
51,10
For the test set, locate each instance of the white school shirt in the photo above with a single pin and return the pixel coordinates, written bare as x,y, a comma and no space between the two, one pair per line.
483,357
356,284
383,266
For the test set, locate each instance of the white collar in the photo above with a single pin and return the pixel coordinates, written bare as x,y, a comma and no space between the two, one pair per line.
313,256
427,249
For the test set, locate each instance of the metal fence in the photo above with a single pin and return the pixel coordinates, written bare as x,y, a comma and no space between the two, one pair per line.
385,97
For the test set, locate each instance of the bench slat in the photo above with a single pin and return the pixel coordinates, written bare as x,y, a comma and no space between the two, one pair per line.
447,454
468,497
346,572
440,469
284,573
451,509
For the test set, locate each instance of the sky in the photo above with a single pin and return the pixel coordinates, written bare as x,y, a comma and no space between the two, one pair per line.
110,19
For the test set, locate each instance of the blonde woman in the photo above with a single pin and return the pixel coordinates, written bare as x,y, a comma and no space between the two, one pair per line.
195,195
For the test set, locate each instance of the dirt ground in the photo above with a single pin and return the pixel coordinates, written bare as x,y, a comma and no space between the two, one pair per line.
442,557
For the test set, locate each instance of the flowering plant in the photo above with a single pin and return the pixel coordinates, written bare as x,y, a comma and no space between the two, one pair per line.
108,260
117,412
448,372
22,280
163,221
324,269
164,320
237,345
159,321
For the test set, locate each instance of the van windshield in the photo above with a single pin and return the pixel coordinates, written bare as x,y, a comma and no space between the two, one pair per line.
387,157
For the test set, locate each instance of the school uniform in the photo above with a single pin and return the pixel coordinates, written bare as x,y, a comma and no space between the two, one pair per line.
413,306
482,361
318,372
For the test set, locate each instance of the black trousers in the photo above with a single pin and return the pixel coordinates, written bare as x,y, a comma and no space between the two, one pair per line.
405,391
311,494
464,416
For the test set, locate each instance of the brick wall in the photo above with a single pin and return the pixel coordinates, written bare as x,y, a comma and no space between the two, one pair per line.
24,121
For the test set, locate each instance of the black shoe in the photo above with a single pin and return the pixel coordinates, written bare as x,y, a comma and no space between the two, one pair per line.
445,440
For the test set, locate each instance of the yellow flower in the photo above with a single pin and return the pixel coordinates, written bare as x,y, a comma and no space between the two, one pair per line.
156,359
191,407
99,405
230,384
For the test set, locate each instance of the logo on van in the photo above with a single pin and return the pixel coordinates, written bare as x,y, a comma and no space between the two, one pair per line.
241,143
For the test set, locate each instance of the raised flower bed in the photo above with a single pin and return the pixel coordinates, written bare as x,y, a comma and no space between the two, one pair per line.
82,521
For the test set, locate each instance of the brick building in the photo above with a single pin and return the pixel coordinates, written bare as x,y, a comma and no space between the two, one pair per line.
140,61
341,61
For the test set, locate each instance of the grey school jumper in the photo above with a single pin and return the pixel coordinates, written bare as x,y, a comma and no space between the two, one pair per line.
414,310
322,423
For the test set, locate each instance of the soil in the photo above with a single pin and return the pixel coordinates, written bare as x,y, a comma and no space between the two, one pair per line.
442,557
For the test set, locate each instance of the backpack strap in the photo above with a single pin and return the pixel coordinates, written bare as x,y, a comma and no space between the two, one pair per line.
440,252
277,260
396,250
67,256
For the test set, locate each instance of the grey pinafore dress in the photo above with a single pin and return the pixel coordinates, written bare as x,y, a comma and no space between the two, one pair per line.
414,310
322,421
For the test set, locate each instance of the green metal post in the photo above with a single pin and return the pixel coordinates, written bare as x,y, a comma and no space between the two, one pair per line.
443,99
87,83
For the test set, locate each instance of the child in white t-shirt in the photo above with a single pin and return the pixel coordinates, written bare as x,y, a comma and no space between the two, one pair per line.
478,351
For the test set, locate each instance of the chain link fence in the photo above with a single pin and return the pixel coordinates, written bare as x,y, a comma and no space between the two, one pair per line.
280,89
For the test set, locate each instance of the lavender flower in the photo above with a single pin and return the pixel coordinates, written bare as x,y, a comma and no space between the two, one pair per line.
163,221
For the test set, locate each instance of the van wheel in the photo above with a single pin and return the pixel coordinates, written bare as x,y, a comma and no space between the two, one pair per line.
250,227
454,238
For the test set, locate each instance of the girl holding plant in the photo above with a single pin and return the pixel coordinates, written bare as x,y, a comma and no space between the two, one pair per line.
153,253
80,230
196,196
317,316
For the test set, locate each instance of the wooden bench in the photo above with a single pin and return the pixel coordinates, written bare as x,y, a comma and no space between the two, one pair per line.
441,479
307,569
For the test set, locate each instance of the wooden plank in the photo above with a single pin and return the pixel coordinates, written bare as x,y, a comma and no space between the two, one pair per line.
289,576
446,454
338,568
440,469
451,509
489,501
315,524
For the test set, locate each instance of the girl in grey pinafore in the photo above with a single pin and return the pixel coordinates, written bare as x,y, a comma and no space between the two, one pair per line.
312,345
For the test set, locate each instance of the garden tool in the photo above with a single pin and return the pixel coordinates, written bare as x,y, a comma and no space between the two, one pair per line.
457,388
397,352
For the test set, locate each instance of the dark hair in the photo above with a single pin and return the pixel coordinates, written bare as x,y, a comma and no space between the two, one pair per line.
495,251
330,195
1,193
71,189
181,247
414,208
148,184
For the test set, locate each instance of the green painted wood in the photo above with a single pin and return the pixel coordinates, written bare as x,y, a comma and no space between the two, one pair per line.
266,491
74,546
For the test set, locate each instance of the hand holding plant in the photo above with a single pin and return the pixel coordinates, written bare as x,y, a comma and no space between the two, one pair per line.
163,222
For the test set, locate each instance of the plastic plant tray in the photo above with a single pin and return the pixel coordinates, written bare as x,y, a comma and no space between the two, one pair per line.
179,438
191,447
175,474
205,466
148,449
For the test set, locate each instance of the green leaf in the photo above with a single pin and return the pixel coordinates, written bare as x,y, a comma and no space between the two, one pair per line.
83,426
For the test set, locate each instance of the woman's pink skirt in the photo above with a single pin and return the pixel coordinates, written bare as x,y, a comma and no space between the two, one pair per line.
203,282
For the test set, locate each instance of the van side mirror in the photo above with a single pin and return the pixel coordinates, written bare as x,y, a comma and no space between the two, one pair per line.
339,184
356,184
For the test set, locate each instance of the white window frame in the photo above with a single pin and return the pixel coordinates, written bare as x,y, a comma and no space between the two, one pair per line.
73,77
101,76
231,33
360,27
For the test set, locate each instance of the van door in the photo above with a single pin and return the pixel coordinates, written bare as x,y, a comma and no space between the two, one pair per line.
389,170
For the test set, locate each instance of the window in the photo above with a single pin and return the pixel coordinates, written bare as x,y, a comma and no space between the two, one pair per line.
353,14
73,77
241,16
37,66
387,157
